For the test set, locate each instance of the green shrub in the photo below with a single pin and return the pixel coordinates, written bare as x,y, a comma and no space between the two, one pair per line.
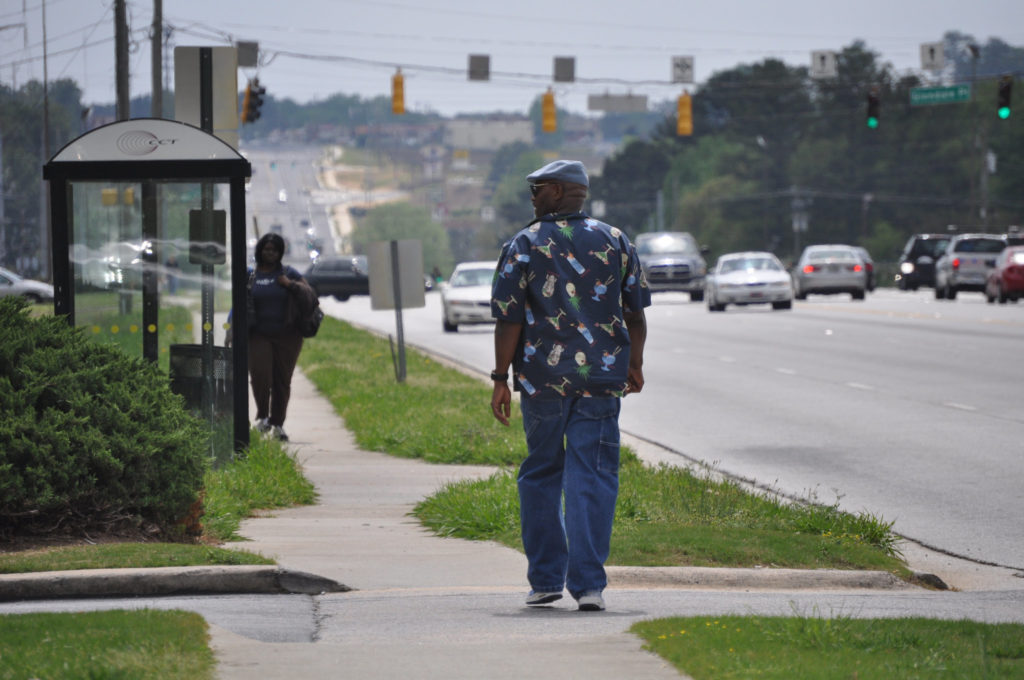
90,437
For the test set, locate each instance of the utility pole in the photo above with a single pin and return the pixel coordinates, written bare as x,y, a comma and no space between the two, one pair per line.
121,59
976,167
44,209
156,54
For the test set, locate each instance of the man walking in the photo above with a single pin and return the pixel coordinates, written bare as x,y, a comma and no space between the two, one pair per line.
569,298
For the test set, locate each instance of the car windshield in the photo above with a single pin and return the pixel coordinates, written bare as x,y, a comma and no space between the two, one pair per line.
749,264
666,244
980,245
472,277
932,247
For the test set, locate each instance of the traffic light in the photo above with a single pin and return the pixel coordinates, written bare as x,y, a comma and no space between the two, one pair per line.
684,115
548,113
398,93
873,108
252,101
1005,91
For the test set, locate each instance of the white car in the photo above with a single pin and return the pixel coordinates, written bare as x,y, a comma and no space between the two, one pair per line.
466,296
33,291
282,196
749,278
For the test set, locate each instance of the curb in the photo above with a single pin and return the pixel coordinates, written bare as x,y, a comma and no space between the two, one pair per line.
225,580
754,579
86,583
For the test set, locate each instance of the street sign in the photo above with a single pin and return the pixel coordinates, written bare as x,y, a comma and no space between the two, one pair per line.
949,94
682,70
824,64
933,56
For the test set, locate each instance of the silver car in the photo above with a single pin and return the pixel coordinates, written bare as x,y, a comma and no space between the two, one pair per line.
749,278
829,269
466,296
33,291
966,263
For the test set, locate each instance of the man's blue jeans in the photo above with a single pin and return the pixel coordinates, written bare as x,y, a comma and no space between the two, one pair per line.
573,446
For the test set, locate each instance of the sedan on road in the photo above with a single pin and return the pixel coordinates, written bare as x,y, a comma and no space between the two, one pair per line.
1006,280
749,278
466,296
829,269
33,291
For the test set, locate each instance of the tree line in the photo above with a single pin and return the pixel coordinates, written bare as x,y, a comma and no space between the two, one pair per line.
773,148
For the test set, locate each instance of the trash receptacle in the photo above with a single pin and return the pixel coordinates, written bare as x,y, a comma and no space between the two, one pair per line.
186,373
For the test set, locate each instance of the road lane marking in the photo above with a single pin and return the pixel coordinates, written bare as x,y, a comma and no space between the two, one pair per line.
859,386
785,371
960,407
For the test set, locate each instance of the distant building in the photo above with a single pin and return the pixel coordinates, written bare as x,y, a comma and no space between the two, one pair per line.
487,134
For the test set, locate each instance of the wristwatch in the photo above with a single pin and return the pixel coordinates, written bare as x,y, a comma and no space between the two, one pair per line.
499,377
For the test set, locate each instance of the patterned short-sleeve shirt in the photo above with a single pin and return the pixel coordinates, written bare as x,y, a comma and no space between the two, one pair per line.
568,279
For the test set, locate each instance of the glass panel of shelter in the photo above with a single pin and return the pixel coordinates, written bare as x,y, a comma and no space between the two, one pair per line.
154,287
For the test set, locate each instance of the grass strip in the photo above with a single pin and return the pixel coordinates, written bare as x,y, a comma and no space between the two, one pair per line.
812,648
667,516
266,477
437,414
161,645
124,555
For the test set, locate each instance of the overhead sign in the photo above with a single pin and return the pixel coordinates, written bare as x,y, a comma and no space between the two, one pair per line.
617,103
949,94
565,69
824,64
479,67
682,70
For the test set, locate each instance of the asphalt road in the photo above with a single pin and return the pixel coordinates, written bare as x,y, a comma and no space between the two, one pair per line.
900,406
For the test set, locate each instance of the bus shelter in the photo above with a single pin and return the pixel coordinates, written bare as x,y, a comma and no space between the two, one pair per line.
150,253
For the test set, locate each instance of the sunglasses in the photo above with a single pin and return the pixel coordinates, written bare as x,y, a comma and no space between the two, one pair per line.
535,188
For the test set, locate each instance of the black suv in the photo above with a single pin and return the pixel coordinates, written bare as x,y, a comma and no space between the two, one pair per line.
341,276
917,263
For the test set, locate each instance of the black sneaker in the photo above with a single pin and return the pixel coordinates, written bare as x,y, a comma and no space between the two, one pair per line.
278,432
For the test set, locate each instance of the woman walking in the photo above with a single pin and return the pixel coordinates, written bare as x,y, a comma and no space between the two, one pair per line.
277,297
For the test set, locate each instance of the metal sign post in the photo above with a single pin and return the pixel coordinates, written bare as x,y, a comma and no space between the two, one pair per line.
396,282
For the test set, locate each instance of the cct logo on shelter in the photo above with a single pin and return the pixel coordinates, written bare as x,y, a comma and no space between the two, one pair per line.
140,142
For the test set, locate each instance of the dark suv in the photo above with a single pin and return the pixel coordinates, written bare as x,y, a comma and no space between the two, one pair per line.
341,276
917,263
672,260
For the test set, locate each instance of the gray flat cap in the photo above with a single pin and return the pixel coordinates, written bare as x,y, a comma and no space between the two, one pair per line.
560,171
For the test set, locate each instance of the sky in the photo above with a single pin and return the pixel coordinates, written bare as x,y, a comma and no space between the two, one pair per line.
311,49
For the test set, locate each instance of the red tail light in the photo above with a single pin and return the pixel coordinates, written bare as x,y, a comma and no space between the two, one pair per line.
956,263
857,268
809,268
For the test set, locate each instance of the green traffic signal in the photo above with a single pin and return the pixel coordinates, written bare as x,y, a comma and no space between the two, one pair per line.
1005,95
872,122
